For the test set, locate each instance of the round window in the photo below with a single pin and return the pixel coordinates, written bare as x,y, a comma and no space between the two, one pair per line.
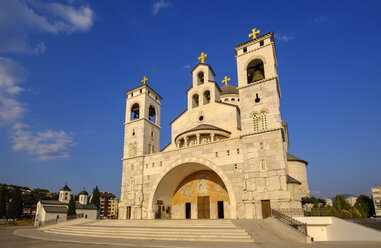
201,118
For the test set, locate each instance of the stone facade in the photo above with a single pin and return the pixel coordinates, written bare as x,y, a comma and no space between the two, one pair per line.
232,133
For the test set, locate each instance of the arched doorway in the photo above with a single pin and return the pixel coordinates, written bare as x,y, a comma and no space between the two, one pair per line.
192,190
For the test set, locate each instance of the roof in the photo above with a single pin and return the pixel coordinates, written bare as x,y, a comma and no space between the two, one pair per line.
229,89
65,188
290,179
291,157
55,209
51,202
83,192
203,64
203,127
178,116
143,86
85,206
107,194
254,40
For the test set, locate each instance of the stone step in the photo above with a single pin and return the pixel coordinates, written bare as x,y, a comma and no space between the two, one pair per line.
150,229
164,236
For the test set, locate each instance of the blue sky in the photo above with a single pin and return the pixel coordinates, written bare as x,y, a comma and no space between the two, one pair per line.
65,65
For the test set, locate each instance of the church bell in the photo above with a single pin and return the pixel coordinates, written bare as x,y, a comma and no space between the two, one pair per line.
258,75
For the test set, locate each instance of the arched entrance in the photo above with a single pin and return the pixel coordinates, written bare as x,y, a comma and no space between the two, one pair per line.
192,189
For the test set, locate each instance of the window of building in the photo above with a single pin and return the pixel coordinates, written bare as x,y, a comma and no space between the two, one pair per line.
226,100
237,150
255,123
135,111
216,154
146,166
264,120
261,43
233,100
195,101
228,152
261,145
206,97
200,78
235,166
245,49
255,71
152,114
262,165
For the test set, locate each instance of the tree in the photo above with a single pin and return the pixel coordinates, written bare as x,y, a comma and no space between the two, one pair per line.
71,207
96,198
340,203
366,204
3,202
15,204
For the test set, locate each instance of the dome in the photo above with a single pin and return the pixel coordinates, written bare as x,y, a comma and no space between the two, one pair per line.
83,192
229,89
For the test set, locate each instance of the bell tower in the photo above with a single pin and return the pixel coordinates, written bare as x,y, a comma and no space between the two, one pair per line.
142,123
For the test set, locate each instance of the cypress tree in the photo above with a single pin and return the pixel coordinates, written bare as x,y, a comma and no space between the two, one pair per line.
3,202
96,197
15,204
71,207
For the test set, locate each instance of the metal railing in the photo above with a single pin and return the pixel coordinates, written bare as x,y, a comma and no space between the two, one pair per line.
300,226
371,223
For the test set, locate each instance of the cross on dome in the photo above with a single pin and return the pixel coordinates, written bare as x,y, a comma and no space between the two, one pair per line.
254,33
226,80
145,79
202,57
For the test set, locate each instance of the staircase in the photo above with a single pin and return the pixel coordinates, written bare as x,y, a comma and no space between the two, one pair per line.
166,230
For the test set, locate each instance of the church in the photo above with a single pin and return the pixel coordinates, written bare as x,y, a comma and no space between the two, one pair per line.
227,158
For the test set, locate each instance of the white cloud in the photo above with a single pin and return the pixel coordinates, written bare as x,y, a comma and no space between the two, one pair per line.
321,19
40,48
187,66
44,145
284,38
20,19
160,5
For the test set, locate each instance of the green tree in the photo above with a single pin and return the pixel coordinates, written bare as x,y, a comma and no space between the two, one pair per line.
355,213
366,204
71,207
3,202
96,198
15,204
340,203
361,210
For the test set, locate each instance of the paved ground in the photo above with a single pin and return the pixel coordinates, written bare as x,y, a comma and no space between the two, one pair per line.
9,240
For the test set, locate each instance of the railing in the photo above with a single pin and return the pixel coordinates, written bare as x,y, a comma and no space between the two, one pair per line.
291,211
300,226
371,223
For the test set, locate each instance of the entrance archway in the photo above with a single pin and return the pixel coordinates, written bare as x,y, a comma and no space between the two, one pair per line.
166,190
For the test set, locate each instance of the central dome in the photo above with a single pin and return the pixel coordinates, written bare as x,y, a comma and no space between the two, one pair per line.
229,89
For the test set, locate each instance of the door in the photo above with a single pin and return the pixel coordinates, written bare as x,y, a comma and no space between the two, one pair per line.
128,213
203,207
266,209
220,205
159,211
188,210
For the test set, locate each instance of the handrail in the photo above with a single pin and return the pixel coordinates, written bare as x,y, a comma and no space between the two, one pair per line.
300,226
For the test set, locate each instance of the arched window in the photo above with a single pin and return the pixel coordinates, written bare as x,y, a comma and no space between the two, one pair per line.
226,100
255,123
233,99
195,101
264,120
200,78
152,114
207,97
255,71
135,112
262,165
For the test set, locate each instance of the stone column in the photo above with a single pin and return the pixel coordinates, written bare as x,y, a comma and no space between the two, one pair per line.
198,138
186,141
212,137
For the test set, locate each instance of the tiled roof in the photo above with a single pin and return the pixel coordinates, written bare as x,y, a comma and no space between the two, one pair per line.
51,202
55,209
290,179
87,206
65,188
293,158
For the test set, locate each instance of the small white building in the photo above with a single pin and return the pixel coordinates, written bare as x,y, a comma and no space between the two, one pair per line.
49,211
351,200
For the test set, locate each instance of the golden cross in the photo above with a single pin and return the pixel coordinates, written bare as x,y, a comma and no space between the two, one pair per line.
255,32
202,57
226,80
145,79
